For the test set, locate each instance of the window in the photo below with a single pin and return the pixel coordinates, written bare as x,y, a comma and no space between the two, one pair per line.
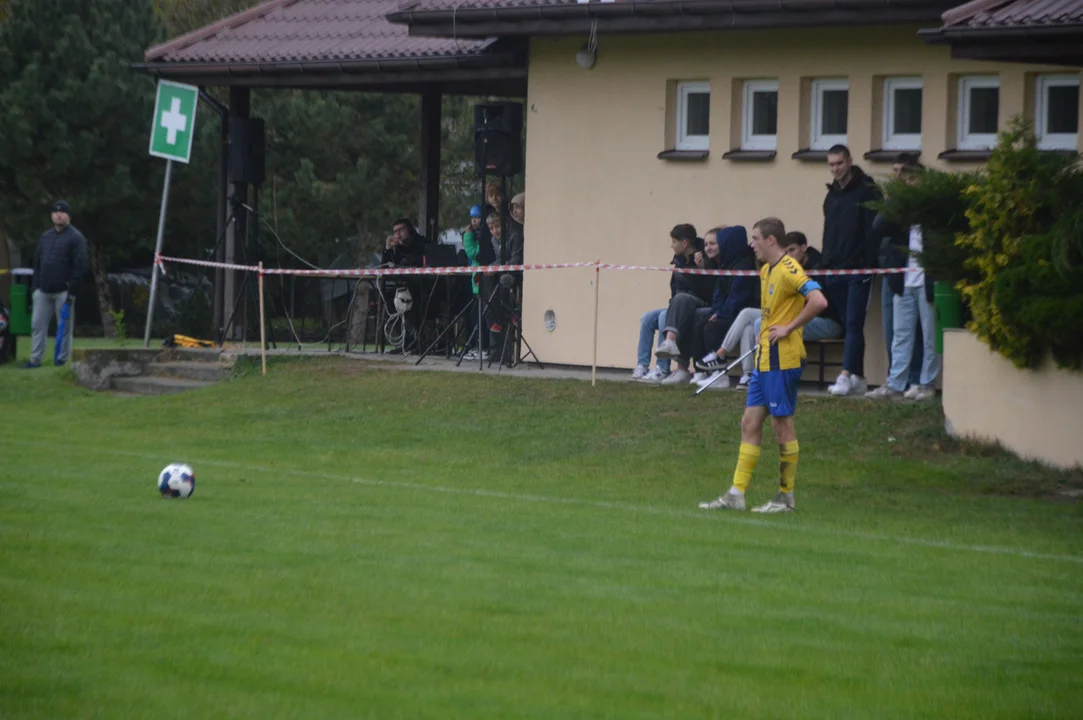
693,115
759,125
902,113
830,107
1056,118
979,107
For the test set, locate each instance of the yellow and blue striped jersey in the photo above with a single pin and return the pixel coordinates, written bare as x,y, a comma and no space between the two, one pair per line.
783,287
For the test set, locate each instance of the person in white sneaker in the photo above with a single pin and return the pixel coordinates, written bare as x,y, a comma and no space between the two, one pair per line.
652,322
789,300
690,294
849,243
912,305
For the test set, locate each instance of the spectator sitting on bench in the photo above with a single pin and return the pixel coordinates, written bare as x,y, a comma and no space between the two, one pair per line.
732,293
691,295
651,322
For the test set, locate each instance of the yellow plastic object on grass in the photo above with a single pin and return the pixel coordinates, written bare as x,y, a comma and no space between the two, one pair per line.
187,342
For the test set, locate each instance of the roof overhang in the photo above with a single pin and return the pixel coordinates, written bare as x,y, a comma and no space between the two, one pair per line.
1040,44
496,73
659,16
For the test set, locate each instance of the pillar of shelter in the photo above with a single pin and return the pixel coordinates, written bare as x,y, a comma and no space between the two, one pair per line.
429,215
240,104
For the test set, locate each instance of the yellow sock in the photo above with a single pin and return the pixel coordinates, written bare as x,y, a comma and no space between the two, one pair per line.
747,457
787,469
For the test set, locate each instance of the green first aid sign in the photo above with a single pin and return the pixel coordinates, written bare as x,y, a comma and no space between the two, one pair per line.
173,128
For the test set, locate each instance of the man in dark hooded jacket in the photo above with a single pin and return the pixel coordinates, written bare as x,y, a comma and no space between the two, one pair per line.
849,243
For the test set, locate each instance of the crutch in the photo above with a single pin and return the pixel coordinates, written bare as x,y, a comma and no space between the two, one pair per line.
710,381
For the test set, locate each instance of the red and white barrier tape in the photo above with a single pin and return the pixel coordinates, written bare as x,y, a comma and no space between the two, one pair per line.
755,273
162,259
473,269
454,270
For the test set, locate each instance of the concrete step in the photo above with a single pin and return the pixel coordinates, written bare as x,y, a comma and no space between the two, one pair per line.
202,371
190,354
148,385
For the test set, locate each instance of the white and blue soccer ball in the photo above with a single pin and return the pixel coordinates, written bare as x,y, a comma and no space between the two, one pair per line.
177,480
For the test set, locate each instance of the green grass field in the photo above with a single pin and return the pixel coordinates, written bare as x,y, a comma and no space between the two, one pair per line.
371,543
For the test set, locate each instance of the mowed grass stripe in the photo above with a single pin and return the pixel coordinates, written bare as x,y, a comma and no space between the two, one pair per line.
778,525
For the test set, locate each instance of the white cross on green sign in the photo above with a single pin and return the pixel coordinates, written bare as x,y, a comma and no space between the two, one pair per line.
172,130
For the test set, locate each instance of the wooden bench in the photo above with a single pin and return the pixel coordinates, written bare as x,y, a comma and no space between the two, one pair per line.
816,352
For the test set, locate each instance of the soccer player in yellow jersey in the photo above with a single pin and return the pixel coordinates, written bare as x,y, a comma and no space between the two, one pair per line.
788,300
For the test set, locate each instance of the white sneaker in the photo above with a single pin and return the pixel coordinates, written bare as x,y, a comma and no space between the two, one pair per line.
654,377
742,384
858,386
841,386
920,392
732,500
884,393
783,502
640,372
699,377
722,383
678,377
668,349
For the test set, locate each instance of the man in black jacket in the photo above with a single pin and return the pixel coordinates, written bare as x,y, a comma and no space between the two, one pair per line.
59,262
849,243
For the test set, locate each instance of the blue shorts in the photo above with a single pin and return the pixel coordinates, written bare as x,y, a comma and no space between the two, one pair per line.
775,390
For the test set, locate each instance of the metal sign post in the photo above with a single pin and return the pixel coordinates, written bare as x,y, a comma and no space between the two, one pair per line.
172,131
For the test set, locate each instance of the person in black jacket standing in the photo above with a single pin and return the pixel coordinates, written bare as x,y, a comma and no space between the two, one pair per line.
59,262
849,243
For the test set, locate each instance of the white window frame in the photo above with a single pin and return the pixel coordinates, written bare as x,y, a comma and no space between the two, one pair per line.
749,141
974,141
684,140
1052,141
892,139
817,140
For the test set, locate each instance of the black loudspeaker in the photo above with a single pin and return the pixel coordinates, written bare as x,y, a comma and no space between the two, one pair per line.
246,157
498,138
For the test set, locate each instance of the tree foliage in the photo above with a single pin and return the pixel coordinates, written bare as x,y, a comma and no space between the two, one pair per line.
70,107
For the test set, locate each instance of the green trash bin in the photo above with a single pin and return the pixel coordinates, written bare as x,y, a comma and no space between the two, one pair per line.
949,310
19,323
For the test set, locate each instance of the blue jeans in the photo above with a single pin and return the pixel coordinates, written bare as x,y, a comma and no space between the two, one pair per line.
652,321
887,315
911,309
849,294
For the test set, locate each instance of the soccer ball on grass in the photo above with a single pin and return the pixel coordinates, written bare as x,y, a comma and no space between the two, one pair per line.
177,480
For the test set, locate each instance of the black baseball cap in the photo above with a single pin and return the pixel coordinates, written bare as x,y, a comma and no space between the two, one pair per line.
60,206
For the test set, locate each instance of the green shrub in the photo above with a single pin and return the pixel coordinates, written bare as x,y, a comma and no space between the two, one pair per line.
1025,247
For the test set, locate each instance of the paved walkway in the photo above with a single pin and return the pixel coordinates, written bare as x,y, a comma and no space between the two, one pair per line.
441,364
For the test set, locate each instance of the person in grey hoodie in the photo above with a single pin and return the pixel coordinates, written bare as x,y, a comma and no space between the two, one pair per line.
59,262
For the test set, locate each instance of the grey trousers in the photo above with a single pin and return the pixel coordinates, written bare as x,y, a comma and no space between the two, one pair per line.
48,305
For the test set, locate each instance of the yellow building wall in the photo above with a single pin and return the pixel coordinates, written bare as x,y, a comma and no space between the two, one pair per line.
598,191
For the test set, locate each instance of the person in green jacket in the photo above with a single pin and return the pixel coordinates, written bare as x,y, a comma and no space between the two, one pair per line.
472,247
471,238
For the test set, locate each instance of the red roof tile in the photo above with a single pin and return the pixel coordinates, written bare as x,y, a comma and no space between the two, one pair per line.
309,30
1015,13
